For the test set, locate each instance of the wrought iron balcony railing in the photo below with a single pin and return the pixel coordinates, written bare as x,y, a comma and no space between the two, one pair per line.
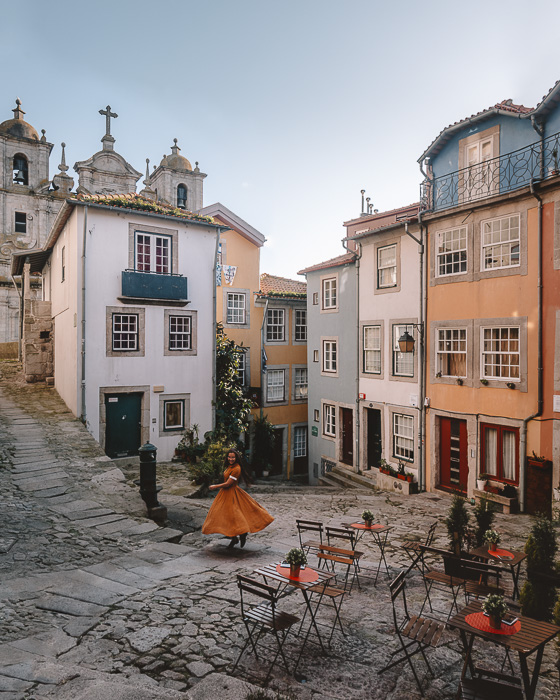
150,285
499,175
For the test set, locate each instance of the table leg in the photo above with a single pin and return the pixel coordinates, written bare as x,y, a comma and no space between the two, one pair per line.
530,684
381,543
467,645
515,571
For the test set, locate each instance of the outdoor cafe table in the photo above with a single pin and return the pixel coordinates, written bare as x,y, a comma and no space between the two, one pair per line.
514,563
531,636
379,535
288,585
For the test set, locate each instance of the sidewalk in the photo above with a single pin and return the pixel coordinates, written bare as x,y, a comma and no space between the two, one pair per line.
99,602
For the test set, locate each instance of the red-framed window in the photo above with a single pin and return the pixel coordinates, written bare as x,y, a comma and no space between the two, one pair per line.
500,452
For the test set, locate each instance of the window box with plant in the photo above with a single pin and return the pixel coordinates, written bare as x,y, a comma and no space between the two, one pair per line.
296,559
492,539
538,462
495,607
368,518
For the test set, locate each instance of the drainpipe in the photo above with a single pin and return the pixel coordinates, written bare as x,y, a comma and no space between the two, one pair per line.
83,341
261,357
214,326
421,354
522,483
20,339
539,128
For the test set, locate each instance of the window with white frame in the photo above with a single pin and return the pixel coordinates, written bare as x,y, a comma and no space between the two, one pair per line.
329,293
500,242
125,332
452,251
372,349
482,176
329,420
403,437
241,367
452,352
403,362
500,452
300,383
300,441
300,332
329,356
500,353
174,415
152,253
387,266
275,385
236,307
275,319
180,333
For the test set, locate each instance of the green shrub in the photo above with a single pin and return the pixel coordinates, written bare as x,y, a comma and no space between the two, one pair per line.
539,592
210,468
484,513
457,523
264,440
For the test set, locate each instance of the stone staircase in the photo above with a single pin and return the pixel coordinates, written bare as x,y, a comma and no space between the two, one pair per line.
339,477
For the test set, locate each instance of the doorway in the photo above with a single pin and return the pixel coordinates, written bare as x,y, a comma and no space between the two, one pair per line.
374,443
453,466
347,423
277,457
123,424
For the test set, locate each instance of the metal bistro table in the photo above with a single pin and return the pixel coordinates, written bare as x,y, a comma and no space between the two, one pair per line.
272,571
527,637
379,535
514,563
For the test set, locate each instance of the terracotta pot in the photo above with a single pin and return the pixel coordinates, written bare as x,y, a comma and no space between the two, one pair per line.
295,570
495,621
368,523
493,546
402,477
409,479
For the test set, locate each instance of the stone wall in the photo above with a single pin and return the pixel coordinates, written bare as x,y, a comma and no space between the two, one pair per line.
37,345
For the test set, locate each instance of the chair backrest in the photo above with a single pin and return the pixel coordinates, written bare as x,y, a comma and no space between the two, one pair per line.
397,588
338,558
431,533
307,526
250,586
480,571
451,562
340,533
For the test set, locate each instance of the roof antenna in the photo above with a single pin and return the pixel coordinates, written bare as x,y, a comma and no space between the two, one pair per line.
369,206
363,192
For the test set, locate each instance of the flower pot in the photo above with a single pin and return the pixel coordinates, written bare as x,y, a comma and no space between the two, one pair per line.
495,621
409,479
295,570
402,477
481,484
492,546
368,523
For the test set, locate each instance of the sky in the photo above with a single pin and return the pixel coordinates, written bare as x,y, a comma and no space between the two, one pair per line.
290,107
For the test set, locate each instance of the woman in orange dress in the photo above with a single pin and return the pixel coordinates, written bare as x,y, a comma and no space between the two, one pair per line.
234,513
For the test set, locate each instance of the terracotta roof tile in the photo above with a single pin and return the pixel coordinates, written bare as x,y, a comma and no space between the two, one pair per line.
333,262
137,201
271,284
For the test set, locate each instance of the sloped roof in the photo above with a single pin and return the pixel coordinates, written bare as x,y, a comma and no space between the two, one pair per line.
271,285
138,202
333,262
234,221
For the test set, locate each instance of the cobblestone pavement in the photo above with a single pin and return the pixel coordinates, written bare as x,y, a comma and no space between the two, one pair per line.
99,602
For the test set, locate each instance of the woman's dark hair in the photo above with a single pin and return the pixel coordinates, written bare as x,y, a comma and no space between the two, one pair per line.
239,459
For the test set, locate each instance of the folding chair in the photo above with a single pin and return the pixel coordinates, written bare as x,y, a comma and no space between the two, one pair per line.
262,619
421,633
485,689
450,579
477,577
310,526
347,535
415,551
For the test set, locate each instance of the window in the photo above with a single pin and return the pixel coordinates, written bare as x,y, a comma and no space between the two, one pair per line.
275,385
275,325
500,452
180,333
387,266
315,356
63,264
500,353
300,383
452,352
452,251
316,415
236,307
403,362
329,356
403,437
182,197
372,349
315,298
153,253
173,415
241,367
500,243
301,326
329,420
125,332
20,170
20,222
481,169
329,293
300,441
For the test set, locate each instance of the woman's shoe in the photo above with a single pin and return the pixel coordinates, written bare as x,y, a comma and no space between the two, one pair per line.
233,542
243,538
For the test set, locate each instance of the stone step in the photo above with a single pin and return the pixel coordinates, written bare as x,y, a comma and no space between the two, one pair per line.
365,481
333,478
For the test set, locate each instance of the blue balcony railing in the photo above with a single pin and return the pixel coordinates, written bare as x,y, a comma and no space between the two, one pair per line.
499,175
150,285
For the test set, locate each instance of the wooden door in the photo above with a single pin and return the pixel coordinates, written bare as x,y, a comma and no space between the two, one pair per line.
347,423
453,463
374,443
123,424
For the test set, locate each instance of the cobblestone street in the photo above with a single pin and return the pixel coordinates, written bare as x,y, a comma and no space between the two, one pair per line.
97,601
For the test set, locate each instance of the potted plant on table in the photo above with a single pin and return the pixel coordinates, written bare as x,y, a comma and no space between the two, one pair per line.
296,559
492,538
368,517
495,607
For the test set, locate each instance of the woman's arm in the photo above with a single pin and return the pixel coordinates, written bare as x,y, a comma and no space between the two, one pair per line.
226,485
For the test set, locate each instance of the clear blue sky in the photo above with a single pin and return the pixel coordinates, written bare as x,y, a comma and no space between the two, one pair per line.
290,107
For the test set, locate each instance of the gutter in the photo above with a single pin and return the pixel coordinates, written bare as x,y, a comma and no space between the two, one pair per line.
214,326
261,357
83,416
20,315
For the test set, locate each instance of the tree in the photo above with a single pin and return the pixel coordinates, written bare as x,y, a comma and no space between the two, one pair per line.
539,591
457,522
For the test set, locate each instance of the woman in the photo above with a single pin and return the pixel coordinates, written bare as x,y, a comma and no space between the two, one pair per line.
234,513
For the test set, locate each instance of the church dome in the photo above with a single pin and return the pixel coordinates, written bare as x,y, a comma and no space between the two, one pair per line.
175,161
17,127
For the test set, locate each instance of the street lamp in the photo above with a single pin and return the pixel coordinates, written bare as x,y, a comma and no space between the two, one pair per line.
406,341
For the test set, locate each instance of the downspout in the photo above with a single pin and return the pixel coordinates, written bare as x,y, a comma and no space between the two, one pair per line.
421,355
83,340
214,326
262,351
539,128
522,483
20,338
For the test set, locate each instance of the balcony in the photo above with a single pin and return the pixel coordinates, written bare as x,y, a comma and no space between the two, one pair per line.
500,175
154,288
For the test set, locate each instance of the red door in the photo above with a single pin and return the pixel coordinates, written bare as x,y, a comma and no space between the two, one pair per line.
347,436
453,465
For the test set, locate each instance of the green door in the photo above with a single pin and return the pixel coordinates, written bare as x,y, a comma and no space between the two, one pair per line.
123,422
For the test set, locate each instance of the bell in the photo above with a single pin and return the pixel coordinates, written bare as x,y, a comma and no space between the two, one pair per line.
19,177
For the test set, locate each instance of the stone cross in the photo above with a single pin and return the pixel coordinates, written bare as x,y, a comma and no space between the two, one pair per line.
108,114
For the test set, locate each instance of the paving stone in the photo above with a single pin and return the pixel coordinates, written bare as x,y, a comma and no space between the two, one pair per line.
51,643
83,592
48,673
13,684
70,606
103,520
41,484
148,638
106,584
116,573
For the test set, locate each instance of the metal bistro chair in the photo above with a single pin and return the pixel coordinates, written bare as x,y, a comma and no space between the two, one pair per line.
448,580
415,551
262,619
415,633
481,579
310,526
347,535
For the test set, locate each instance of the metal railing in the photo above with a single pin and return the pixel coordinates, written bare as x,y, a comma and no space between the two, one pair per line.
499,175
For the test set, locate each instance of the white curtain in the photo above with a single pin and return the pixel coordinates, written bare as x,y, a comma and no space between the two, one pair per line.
508,456
491,451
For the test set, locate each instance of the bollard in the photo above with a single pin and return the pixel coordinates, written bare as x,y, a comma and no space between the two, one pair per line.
148,487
